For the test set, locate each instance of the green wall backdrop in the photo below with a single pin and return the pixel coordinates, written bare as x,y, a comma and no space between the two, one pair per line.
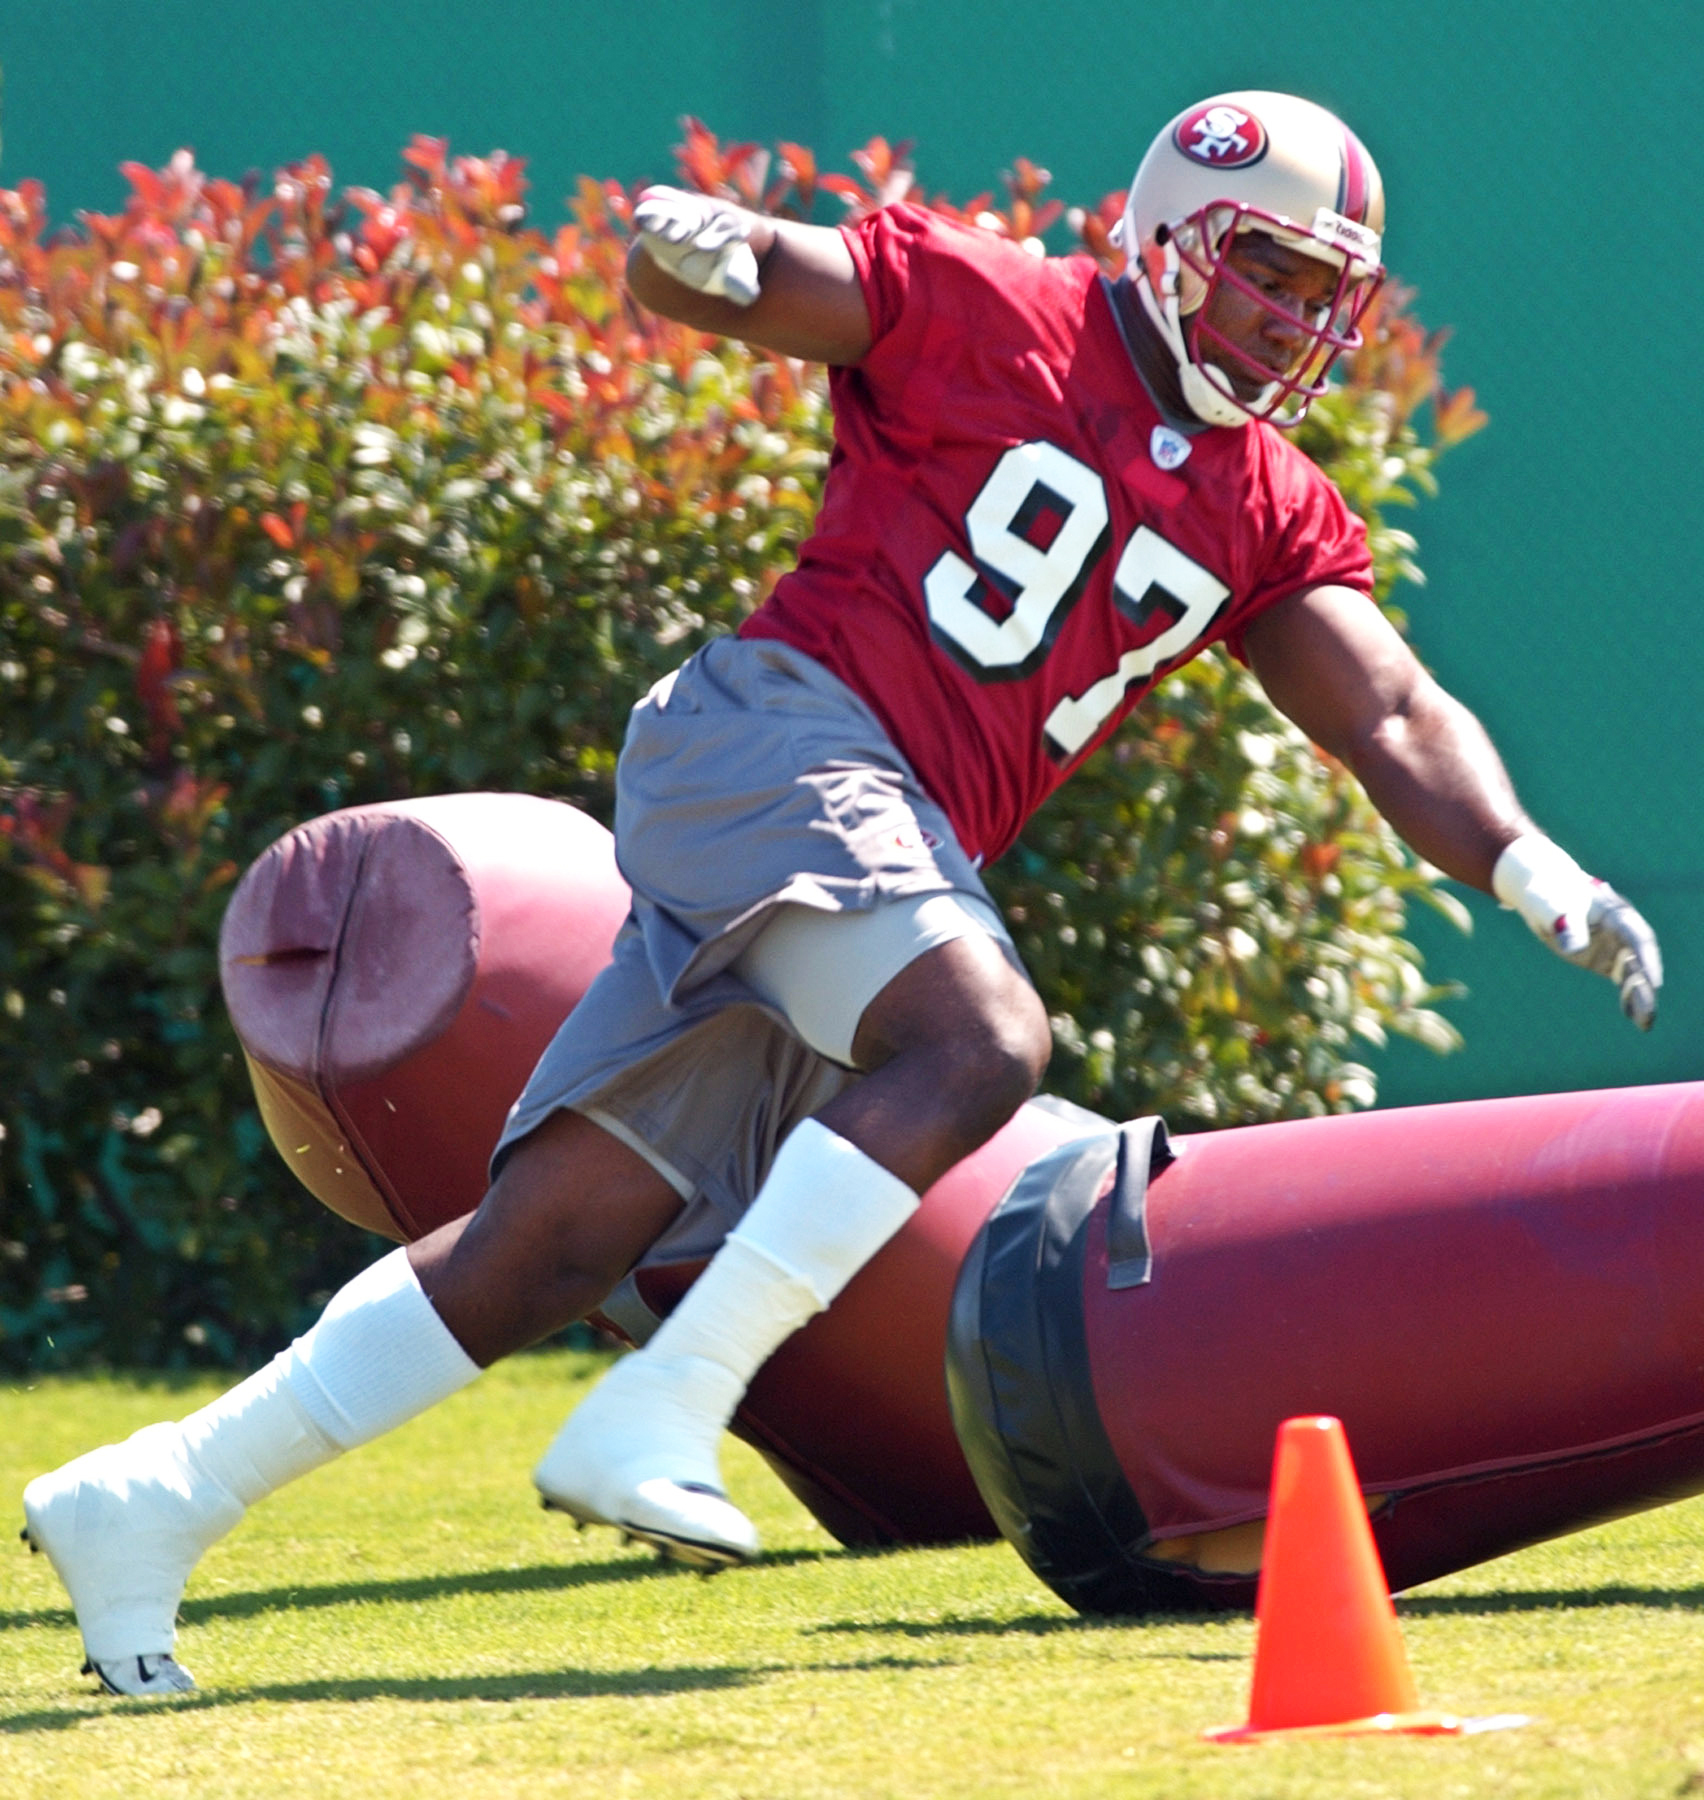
1543,165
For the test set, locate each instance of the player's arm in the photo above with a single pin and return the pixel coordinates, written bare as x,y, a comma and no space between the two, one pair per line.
1333,663
775,283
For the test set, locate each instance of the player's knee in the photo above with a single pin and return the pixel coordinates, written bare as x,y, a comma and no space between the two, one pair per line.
1028,1038
571,1212
995,1062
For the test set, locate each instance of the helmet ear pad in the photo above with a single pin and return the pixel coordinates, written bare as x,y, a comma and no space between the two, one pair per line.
1158,284
1155,265
1197,244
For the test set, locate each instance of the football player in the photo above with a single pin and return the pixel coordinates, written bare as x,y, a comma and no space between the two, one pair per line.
1049,490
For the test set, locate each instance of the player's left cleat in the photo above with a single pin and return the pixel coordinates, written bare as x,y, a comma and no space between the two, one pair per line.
698,1526
142,1677
123,1527
640,1455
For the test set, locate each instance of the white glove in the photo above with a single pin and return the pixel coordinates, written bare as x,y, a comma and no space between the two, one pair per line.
699,241
1584,920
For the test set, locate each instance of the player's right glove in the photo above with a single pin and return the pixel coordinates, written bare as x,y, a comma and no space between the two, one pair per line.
1584,920
699,241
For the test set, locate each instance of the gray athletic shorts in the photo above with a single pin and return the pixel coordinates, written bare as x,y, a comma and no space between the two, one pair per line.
752,782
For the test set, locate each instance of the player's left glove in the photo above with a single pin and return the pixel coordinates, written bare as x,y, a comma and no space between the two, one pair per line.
699,241
1584,920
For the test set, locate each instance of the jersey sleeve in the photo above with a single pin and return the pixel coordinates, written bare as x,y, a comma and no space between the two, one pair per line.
882,244
1310,539
927,282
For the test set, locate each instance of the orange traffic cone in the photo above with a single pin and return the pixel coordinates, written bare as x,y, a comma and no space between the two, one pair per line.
1329,1657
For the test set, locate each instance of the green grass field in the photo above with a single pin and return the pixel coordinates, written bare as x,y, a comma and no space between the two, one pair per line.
408,1622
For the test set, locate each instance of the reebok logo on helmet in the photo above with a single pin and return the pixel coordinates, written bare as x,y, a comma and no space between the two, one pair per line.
1355,241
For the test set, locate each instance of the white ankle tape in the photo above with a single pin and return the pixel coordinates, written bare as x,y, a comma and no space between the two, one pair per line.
825,1210
258,1436
735,1315
379,1355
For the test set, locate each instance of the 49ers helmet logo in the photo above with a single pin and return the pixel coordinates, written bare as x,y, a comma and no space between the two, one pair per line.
1221,136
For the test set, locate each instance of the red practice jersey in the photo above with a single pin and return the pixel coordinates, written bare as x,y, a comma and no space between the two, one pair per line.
1004,563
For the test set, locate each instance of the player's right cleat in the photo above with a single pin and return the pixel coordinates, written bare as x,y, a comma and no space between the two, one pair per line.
143,1677
698,1526
639,1453
123,1526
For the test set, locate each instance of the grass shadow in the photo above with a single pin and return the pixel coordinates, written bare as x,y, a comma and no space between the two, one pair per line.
1675,1599
412,1589
564,1684
1036,1625
1024,1625
1682,1599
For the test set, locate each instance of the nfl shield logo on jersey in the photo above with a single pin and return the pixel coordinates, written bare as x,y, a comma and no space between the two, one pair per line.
1168,448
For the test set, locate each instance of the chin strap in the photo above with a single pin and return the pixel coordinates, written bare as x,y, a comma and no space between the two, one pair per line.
1201,394
1207,400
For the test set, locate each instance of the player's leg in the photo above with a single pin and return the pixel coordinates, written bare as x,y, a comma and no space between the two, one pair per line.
924,997
572,1210
124,1525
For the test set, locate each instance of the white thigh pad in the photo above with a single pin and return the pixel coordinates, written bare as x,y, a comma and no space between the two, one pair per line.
822,969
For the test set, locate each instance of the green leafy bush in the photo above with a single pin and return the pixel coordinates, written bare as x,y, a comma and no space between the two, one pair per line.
312,500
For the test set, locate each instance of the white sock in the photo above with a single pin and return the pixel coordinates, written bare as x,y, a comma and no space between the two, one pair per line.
824,1211
641,1450
378,1355
125,1524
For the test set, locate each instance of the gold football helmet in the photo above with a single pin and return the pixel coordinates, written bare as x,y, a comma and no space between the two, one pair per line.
1252,162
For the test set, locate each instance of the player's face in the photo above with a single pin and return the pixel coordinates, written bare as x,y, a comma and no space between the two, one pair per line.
1269,316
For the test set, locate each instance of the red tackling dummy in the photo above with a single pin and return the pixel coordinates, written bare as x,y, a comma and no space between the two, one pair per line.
1502,1300
393,972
